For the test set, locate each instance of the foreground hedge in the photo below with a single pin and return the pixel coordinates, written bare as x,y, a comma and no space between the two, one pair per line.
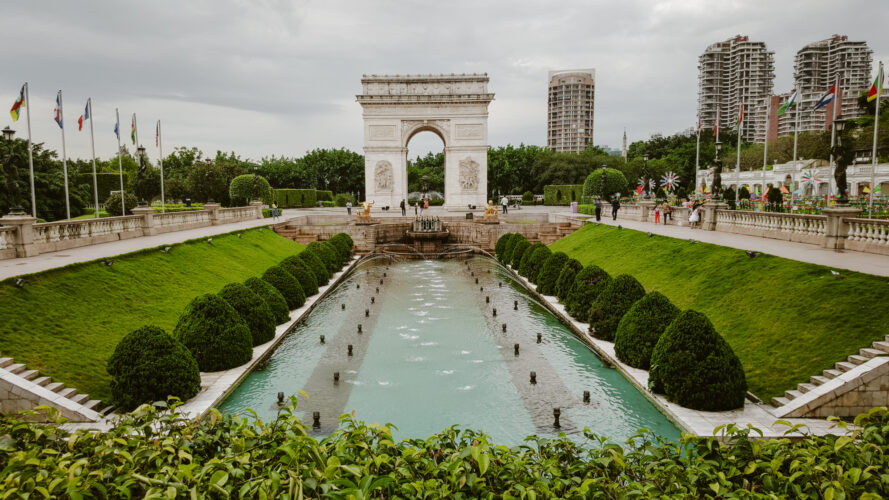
301,271
518,252
510,245
153,455
318,267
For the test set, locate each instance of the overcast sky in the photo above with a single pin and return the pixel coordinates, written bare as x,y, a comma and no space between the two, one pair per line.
278,77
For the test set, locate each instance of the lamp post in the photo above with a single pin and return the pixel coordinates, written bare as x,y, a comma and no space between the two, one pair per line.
140,156
12,179
602,194
843,156
255,180
717,173
8,133
645,193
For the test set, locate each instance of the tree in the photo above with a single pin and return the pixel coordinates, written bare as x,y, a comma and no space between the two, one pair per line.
206,181
248,187
615,184
430,166
147,183
214,333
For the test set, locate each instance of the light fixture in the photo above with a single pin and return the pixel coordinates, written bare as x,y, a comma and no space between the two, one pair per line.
8,133
751,253
19,282
107,262
692,240
836,275
210,240
650,234
239,235
166,249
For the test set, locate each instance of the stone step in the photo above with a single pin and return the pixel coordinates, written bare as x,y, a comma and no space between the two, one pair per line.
16,368
29,374
855,359
818,380
792,394
869,352
80,398
844,366
67,392
881,346
804,388
92,404
55,386
780,401
107,410
832,373
4,362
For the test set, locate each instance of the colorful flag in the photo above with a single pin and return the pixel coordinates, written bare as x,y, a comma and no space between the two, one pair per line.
788,103
698,131
17,105
133,129
826,98
58,110
85,116
875,89
740,117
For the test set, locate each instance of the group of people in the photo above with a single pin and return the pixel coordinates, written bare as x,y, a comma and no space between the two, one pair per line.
662,211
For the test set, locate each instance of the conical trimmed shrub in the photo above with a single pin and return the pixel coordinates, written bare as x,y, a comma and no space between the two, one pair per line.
510,246
695,367
549,273
285,283
342,246
319,269
588,284
272,298
611,305
149,365
501,245
527,258
339,258
214,333
566,278
252,309
300,270
326,254
535,264
518,253
641,328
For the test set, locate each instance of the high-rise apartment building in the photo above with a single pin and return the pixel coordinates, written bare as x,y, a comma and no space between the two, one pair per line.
730,73
570,109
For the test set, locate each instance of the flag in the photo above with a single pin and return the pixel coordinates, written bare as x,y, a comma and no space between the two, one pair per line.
117,129
740,117
85,116
788,103
826,98
58,110
698,131
133,129
716,128
157,134
875,89
17,105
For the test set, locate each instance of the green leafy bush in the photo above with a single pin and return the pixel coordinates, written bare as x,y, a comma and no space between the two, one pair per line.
300,270
245,188
342,246
149,365
341,199
588,284
338,257
252,309
324,195
641,327
518,252
535,262
112,204
322,276
214,333
501,245
294,198
326,254
106,182
563,194
509,248
566,278
615,183
695,367
611,305
233,458
272,298
527,197
285,283
549,273
345,237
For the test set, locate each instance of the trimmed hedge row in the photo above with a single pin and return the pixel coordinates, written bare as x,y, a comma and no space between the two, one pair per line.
272,298
549,273
641,328
588,284
214,333
612,304
562,194
300,270
294,198
253,310
566,278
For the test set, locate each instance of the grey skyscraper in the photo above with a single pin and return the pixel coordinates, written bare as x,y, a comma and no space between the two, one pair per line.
570,109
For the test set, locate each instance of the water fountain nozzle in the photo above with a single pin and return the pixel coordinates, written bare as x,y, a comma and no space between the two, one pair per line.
586,396
533,377
280,399
350,349
322,339
336,377
556,414
316,419
539,337
516,349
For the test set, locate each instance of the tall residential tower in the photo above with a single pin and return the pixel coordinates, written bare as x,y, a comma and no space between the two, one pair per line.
569,125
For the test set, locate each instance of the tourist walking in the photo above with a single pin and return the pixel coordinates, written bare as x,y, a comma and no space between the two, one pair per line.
416,208
668,212
274,211
422,204
504,202
657,214
403,211
615,206
349,208
695,216
598,204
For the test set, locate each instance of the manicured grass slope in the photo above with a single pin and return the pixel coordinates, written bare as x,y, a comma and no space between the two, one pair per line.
66,322
786,320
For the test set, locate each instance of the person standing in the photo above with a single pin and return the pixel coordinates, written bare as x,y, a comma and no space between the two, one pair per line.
274,211
598,204
416,208
504,202
657,214
668,211
349,208
403,210
425,203
615,206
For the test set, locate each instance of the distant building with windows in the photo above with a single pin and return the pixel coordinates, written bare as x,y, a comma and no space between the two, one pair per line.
570,109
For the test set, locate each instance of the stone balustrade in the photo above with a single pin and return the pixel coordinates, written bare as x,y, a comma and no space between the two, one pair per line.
22,236
801,228
868,235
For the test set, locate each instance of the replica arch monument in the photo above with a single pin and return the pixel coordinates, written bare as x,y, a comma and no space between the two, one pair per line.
397,107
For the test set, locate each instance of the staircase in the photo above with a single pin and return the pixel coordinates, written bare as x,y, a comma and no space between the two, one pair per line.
292,232
34,388
557,232
879,348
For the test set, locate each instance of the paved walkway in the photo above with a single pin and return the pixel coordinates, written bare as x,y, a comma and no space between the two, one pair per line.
853,261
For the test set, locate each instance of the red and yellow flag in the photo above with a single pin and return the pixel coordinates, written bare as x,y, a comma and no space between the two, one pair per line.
18,105
877,87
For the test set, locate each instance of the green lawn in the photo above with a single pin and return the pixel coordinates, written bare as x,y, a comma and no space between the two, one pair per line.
786,320
66,322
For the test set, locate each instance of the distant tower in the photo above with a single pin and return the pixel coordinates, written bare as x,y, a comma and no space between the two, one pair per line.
623,151
570,109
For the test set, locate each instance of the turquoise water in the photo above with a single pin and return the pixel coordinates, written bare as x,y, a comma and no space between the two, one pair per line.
432,354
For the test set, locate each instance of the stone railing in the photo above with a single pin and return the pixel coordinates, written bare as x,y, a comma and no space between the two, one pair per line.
801,228
868,235
21,236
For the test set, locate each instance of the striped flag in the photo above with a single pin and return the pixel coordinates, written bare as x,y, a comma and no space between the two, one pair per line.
826,98
58,111
788,103
18,105
85,116
740,117
877,88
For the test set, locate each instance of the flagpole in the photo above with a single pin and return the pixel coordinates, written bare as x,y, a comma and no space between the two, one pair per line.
873,174
795,165
765,149
30,155
123,200
64,156
698,150
738,161
833,136
160,161
89,105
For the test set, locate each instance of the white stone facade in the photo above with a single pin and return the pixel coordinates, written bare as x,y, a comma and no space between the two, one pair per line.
454,107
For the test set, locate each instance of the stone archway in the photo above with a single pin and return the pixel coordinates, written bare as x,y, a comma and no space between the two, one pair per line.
454,107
